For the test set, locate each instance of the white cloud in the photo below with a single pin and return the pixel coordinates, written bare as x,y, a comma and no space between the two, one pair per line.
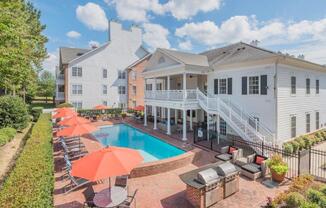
184,9
185,45
156,36
93,44
51,62
243,28
93,16
139,10
73,34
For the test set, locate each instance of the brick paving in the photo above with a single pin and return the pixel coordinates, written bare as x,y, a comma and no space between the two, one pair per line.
164,189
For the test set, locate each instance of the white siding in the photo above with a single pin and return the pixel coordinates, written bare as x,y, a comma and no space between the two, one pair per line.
261,106
300,103
123,49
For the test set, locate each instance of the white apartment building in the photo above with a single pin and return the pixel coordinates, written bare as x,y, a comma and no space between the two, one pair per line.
87,78
244,90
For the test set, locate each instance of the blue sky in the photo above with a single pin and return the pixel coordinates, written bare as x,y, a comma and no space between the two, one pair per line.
291,26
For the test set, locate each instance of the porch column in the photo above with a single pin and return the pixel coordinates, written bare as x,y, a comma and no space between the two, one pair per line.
191,120
155,117
169,123
154,87
168,86
184,83
145,115
176,116
207,127
184,125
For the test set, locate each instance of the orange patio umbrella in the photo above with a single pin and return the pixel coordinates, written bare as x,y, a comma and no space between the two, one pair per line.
64,113
105,163
101,107
139,108
62,109
77,130
72,121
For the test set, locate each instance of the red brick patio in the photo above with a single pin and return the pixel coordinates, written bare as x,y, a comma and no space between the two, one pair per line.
164,189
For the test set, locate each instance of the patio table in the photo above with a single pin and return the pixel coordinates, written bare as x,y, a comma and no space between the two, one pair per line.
110,197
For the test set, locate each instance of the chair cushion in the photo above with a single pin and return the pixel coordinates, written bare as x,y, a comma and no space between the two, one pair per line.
232,149
259,159
252,168
224,157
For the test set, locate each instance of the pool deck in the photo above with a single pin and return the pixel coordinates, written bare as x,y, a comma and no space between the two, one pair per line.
162,189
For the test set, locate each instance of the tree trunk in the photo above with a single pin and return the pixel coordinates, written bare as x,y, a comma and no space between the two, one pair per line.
46,99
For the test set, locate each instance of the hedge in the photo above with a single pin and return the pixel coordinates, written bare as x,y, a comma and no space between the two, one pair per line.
65,105
6,135
36,112
13,112
30,184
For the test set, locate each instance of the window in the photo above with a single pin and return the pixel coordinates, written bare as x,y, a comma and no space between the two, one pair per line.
307,86
77,89
133,75
317,86
254,85
317,120
149,87
229,86
244,85
105,103
133,103
105,73
104,89
293,85
77,104
122,90
263,85
222,86
222,127
307,122
121,75
134,90
293,126
121,105
77,71
159,86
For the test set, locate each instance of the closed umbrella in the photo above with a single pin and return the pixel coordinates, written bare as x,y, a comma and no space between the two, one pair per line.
77,130
139,108
101,107
72,121
105,163
64,113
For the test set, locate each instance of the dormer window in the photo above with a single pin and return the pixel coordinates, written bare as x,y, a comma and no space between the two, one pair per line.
161,60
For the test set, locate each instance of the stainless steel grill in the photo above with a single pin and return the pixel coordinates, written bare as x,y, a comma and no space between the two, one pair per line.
226,169
231,181
207,176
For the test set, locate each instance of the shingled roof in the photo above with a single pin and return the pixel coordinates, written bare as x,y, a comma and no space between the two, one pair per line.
68,54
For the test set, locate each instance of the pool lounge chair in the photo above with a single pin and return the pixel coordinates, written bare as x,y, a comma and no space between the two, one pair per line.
75,183
229,153
128,203
89,195
255,168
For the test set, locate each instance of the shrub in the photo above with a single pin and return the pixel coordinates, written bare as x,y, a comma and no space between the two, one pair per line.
296,146
301,143
309,205
316,197
6,135
13,112
65,105
307,142
36,112
302,183
30,183
288,148
323,189
294,199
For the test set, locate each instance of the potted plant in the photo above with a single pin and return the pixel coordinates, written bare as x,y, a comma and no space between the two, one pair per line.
278,167
123,115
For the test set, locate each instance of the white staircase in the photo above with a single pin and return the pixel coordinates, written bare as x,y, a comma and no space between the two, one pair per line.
245,125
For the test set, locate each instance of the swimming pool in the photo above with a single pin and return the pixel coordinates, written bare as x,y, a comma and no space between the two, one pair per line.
122,135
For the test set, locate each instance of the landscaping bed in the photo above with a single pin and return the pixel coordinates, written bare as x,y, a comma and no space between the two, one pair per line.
30,184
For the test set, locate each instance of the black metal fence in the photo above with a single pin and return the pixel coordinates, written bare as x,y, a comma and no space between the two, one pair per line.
304,162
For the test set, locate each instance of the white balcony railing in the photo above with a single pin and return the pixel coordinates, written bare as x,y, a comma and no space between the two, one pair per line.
173,95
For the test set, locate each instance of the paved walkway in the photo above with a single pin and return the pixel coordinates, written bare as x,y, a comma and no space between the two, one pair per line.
165,189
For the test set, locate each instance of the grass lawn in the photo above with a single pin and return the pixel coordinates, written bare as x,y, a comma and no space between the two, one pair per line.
44,105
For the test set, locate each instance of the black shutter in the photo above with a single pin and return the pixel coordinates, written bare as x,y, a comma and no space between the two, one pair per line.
230,86
215,86
263,84
244,85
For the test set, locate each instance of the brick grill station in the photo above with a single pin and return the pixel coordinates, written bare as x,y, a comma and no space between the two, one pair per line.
201,194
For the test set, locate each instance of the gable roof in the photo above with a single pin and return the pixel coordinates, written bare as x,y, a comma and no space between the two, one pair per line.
186,58
69,54
146,57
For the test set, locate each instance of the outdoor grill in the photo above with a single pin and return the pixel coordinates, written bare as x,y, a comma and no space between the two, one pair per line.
208,185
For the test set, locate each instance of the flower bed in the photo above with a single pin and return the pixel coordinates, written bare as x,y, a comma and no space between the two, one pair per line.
30,184
304,192
305,142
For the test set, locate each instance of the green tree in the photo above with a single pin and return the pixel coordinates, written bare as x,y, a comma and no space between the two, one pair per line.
46,85
22,45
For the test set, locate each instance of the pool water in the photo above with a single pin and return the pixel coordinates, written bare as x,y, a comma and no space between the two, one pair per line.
151,148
